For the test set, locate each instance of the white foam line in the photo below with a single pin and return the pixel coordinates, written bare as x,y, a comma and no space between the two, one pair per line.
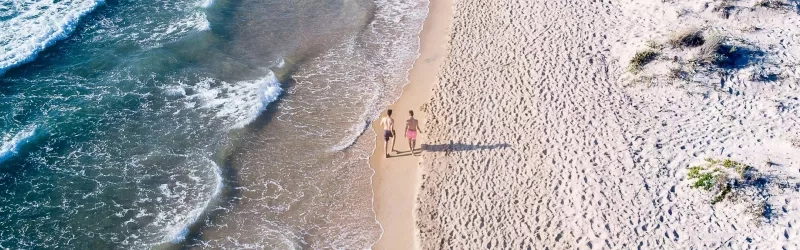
267,92
180,234
24,53
205,4
408,71
11,146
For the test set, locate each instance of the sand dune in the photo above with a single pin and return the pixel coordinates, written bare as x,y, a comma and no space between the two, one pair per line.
541,137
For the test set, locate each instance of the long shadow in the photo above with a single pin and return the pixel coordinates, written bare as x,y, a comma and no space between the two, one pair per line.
453,147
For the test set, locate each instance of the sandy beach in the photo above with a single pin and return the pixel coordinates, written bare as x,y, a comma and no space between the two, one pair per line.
597,124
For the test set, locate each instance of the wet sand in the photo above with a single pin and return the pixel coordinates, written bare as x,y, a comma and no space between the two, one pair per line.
396,180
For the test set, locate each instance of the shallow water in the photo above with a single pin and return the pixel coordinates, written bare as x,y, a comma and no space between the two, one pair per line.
212,124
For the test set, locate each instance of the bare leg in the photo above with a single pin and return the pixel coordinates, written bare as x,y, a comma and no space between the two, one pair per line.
386,147
413,143
410,147
394,139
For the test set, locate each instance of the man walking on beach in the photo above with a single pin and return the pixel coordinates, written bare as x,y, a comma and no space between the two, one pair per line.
412,126
388,131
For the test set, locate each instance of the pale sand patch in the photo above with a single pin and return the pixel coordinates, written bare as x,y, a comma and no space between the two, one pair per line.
540,138
396,179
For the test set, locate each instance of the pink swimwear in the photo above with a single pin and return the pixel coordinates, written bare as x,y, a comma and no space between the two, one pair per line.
411,134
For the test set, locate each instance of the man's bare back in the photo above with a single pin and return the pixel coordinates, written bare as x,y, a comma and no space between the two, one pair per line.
387,123
412,124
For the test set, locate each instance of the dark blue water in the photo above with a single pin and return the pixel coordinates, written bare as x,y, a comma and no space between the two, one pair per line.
118,118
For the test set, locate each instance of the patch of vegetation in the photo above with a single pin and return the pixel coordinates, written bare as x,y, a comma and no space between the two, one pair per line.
642,58
711,52
758,210
700,52
773,4
705,181
717,51
653,45
424,107
727,180
750,28
691,37
722,194
724,9
710,177
712,161
677,73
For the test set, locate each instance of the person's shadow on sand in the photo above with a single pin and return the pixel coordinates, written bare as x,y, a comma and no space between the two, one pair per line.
453,147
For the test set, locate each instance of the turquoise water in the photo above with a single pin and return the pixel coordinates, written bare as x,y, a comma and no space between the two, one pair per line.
139,124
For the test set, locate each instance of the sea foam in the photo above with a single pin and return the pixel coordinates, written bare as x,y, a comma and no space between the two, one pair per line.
29,28
238,103
177,233
11,144
206,3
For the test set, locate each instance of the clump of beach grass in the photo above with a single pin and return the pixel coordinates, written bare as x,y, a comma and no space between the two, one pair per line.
717,52
758,210
724,9
727,180
714,176
750,28
772,4
642,58
677,73
710,51
652,44
691,37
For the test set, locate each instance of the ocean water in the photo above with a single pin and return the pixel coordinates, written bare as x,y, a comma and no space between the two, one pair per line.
195,124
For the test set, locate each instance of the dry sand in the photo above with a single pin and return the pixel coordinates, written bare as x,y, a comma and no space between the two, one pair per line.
396,180
540,137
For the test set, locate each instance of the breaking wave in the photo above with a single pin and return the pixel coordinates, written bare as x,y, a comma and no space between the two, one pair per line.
30,27
11,144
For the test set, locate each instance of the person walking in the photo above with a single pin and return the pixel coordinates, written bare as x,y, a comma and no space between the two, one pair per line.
387,122
412,127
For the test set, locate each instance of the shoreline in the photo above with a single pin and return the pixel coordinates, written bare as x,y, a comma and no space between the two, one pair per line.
396,180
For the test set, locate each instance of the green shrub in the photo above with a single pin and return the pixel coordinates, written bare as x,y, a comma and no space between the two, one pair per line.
691,37
710,177
722,194
728,163
705,181
653,45
642,58
694,172
712,161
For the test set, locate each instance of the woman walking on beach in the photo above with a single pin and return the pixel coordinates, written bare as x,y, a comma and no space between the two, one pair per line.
388,132
412,126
